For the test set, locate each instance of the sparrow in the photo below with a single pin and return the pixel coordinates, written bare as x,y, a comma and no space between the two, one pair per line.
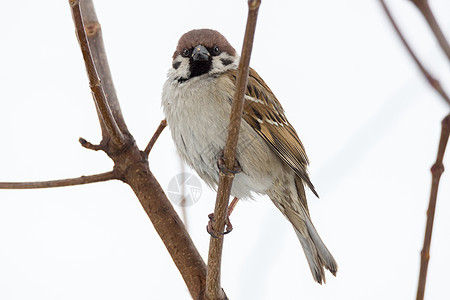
196,100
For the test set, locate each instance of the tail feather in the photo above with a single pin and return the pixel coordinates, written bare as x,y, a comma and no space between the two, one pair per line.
317,254
325,255
314,261
310,239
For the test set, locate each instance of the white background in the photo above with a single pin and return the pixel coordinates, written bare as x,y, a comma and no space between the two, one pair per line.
368,119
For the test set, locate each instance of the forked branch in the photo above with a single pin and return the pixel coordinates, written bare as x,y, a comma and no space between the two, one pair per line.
131,165
130,162
82,179
213,285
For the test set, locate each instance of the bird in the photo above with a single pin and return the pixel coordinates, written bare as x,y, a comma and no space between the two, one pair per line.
196,100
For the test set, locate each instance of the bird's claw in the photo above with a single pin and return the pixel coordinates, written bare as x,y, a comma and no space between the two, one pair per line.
210,230
223,169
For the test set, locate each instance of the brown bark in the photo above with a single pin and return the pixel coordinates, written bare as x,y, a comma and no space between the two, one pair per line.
213,286
436,171
60,182
152,142
438,168
425,9
129,162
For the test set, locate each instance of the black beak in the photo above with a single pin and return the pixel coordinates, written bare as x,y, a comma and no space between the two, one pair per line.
200,53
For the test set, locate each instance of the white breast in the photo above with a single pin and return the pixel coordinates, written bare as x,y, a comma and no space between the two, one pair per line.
197,112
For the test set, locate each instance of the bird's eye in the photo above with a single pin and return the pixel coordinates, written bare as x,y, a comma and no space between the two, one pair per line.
216,50
186,52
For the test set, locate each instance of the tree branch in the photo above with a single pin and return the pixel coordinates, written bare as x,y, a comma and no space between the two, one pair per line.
90,146
436,171
155,136
213,286
60,182
431,80
168,225
97,51
131,164
94,81
424,8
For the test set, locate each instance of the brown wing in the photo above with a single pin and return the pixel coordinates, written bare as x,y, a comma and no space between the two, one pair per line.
266,115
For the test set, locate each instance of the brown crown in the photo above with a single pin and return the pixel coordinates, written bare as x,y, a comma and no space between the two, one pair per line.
206,37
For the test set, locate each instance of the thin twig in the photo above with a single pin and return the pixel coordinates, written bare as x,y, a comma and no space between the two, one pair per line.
433,82
424,8
155,136
213,287
94,81
60,182
90,146
436,171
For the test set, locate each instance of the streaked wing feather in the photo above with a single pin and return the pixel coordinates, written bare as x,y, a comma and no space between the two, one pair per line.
261,104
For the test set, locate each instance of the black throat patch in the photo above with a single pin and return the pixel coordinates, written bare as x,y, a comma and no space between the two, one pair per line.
198,68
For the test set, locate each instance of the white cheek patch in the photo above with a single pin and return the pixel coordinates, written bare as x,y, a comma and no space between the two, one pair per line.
180,68
224,62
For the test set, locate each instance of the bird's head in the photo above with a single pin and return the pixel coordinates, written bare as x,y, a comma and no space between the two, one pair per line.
203,51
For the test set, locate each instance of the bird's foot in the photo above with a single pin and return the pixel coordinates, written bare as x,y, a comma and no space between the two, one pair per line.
223,169
210,230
